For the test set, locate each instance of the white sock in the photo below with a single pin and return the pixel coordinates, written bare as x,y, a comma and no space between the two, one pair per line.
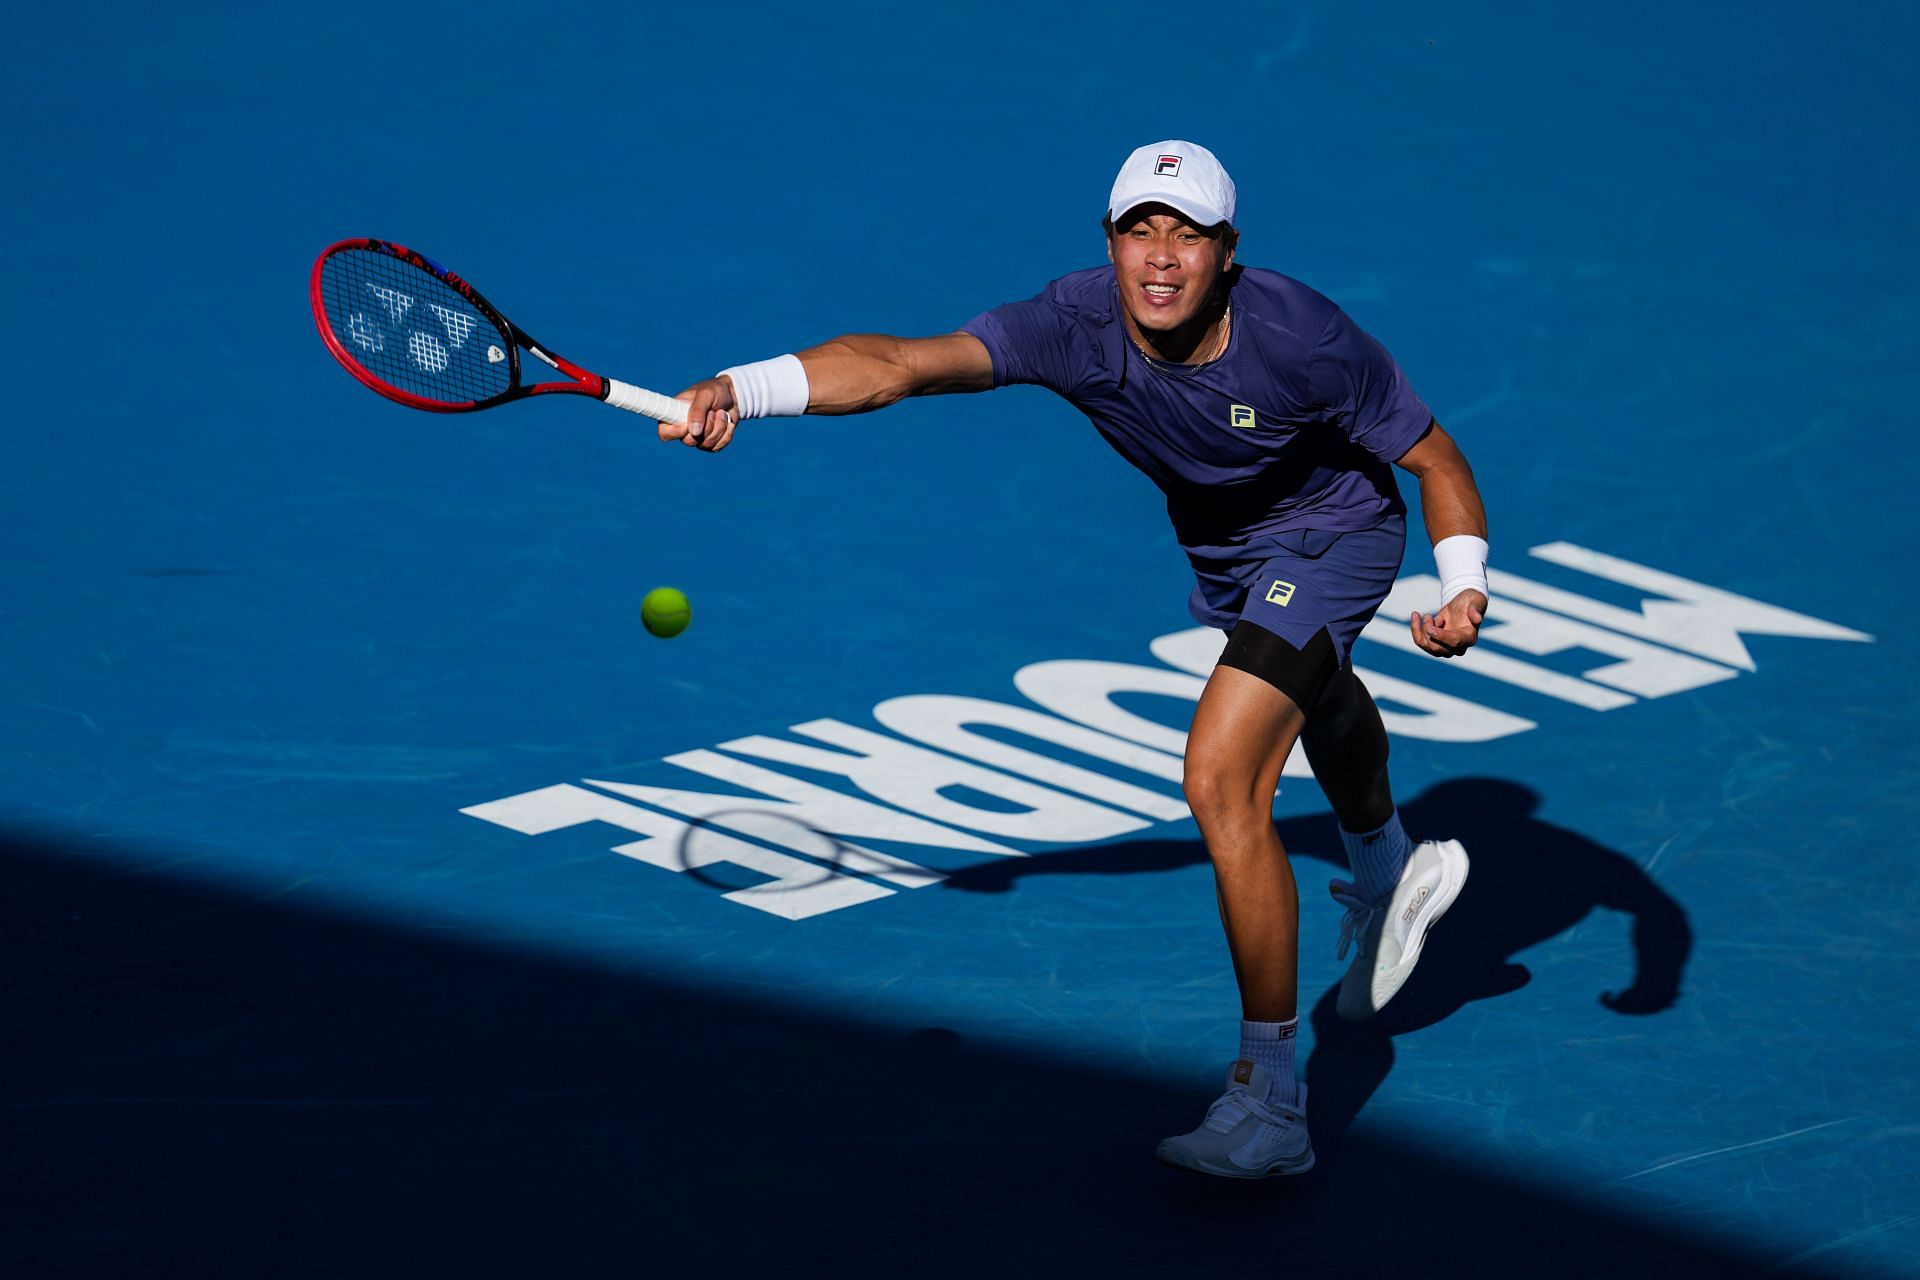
1377,857
1271,1045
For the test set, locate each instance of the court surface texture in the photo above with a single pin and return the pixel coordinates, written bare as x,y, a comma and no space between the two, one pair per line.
379,896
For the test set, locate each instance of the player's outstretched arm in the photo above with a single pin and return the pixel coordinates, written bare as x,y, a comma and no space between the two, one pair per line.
853,374
1451,502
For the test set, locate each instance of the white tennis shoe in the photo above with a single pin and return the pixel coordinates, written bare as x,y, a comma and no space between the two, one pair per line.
1391,932
1245,1134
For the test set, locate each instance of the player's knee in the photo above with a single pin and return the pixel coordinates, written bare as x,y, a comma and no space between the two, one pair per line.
1346,743
1345,721
1220,795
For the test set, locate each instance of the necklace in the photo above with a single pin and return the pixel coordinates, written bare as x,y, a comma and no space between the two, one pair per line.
1214,349
1226,331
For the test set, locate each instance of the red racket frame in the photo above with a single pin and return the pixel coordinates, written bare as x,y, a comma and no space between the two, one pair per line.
584,383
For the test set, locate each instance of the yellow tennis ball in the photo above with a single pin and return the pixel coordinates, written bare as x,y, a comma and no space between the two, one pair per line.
665,612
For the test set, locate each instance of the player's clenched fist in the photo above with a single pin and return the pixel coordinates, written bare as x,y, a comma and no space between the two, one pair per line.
1454,628
710,416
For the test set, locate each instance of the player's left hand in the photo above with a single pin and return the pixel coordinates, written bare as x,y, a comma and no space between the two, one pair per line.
1452,630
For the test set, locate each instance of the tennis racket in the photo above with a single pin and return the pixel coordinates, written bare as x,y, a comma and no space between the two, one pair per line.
417,333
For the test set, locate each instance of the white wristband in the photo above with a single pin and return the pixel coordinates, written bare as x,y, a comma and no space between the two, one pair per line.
1462,561
775,388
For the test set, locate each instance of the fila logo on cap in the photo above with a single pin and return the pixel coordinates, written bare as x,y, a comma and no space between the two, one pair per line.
1180,174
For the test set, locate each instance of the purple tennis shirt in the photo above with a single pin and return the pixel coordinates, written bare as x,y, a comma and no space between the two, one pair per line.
1294,427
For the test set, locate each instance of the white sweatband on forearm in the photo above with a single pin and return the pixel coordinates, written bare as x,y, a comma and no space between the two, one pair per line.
1462,561
775,388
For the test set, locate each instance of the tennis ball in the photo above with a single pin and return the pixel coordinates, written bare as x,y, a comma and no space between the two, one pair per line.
665,612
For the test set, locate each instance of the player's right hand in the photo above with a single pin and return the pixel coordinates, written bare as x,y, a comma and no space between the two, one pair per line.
710,416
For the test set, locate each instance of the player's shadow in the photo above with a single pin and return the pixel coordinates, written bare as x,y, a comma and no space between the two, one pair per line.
1530,881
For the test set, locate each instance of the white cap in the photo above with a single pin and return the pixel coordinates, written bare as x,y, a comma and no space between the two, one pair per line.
1183,175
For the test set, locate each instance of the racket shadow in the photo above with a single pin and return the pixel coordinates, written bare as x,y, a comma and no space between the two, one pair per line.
785,866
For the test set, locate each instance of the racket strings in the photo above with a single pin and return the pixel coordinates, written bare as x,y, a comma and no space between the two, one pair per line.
412,330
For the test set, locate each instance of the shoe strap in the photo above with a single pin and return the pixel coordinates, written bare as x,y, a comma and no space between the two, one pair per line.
1354,923
1277,1113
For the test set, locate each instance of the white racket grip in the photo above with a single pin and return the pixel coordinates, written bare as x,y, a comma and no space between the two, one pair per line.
624,395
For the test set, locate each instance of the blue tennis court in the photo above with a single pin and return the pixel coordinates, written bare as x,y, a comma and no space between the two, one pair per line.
380,896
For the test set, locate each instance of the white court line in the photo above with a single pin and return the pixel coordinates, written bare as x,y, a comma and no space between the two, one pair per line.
1720,1151
1843,1241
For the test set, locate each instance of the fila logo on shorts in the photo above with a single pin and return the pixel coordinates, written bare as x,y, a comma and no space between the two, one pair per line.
1280,593
1240,415
1167,167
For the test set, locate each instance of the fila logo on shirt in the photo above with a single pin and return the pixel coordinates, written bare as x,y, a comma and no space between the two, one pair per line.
1240,415
1167,167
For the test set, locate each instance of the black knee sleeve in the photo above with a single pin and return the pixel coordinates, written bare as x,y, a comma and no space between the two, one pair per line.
1346,743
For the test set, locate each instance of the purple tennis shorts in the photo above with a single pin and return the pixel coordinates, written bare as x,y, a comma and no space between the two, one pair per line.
1311,580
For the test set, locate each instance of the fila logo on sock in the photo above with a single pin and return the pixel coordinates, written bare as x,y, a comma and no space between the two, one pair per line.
1406,916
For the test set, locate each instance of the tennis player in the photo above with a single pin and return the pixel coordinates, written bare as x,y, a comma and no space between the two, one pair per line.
1272,423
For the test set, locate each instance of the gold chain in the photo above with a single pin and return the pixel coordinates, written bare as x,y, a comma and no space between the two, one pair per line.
1226,331
1215,349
